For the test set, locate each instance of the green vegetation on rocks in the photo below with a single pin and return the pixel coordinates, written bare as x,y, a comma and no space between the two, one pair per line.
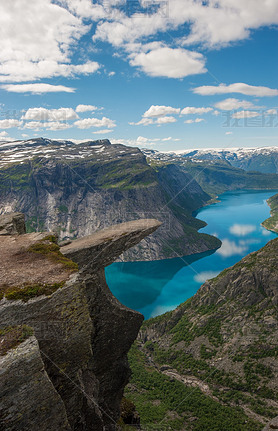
12,336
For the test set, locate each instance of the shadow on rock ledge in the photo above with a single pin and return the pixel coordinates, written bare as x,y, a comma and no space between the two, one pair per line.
70,370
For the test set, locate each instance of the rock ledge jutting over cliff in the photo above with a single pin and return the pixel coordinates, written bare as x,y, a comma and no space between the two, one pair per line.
64,336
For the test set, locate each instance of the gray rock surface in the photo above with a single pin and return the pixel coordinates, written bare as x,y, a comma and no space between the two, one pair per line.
84,333
27,393
272,425
12,224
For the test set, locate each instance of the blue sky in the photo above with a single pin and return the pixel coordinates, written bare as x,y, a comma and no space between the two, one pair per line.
166,75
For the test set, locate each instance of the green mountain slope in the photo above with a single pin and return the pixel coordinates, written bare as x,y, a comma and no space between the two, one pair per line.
272,222
212,364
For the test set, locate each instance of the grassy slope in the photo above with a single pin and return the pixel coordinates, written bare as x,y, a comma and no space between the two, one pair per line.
272,222
223,338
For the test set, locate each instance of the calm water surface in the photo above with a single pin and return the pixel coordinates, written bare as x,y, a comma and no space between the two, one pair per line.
159,286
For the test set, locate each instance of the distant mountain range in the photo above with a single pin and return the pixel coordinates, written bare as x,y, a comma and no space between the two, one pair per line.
263,159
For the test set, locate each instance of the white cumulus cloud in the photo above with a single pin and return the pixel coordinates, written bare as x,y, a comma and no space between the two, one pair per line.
169,62
238,87
143,122
86,108
41,47
102,132
9,123
196,120
43,114
231,104
37,88
166,120
246,114
192,110
86,123
160,111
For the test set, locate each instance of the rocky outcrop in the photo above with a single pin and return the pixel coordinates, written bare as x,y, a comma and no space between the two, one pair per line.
272,425
12,224
81,332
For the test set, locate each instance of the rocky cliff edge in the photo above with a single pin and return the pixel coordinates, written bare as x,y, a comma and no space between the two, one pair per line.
64,337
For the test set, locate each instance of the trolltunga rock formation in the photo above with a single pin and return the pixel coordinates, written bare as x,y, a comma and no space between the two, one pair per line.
70,370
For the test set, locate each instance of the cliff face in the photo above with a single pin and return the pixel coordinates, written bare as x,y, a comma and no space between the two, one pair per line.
223,343
73,369
79,189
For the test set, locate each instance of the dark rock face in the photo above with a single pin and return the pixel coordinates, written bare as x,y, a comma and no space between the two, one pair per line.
27,394
83,336
77,190
12,224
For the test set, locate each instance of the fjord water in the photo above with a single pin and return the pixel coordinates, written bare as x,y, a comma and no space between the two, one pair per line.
159,286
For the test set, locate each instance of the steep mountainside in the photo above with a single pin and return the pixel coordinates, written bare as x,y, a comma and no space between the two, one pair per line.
215,176
77,189
64,337
212,364
250,159
272,222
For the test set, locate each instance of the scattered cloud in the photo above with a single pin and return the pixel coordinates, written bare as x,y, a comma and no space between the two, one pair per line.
239,87
37,88
103,131
192,110
169,62
143,122
56,125
86,123
231,104
86,108
272,112
196,120
4,136
43,114
166,120
246,114
242,229
48,125
160,111
9,123
230,248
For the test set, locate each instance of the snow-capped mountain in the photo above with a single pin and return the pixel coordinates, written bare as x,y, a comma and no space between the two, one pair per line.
263,159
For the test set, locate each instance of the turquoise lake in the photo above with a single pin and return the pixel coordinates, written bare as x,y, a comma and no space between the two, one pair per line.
159,286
